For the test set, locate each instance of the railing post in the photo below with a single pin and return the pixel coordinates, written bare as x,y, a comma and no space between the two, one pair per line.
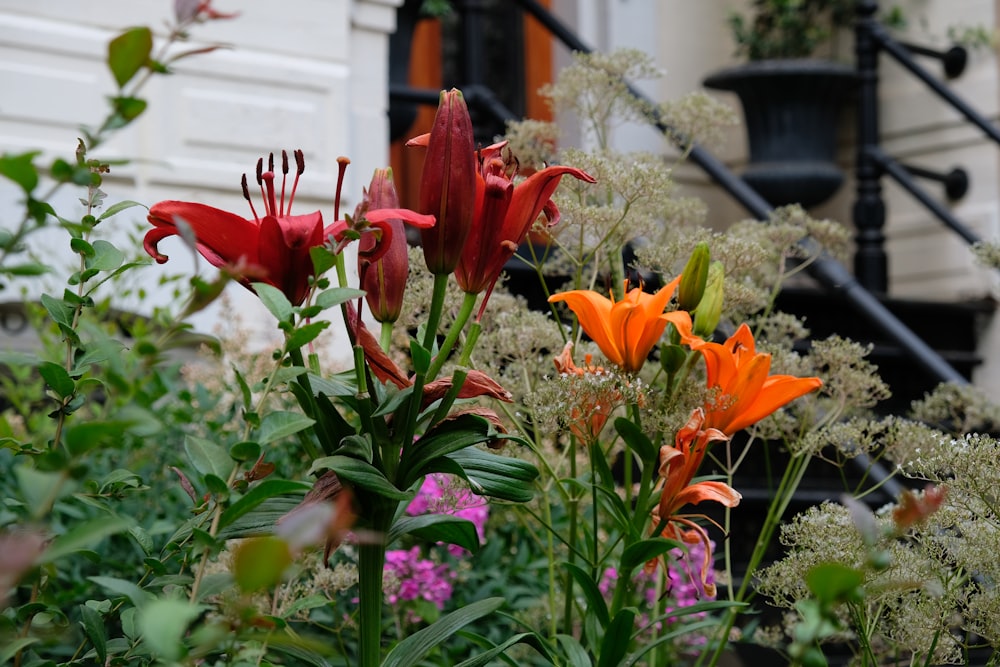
871,266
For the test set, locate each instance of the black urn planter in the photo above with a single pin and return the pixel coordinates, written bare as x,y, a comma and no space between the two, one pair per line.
791,109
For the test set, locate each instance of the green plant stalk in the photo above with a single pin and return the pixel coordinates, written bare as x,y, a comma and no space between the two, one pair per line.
437,306
371,563
468,304
573,509
786,489
385,336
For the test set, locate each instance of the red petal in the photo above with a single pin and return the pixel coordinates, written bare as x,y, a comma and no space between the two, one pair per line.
222,237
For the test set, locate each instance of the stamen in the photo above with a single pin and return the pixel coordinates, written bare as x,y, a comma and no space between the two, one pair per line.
284,177
246,195
270,162
342,163
300,166
260,170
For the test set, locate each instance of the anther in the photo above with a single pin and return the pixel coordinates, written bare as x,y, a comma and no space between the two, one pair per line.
246,195
300,162
284,176
270,161
260,170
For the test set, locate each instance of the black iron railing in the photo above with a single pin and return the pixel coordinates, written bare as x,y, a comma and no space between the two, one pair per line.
871,260
869,208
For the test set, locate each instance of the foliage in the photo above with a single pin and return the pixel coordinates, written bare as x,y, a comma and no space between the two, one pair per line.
483,483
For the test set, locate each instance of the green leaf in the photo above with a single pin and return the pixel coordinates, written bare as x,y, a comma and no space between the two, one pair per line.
410,651
274,300
437,528
58,310
834,582
114,209
595,600
128,108
322,259
259,563
245,451
305,604
360,473
128,52
644,551
637,441
502,477
207,457
576,655
305,333
336,296
120,587
93,627
20,169
445,438
15,646
615,642
57,378
84,536
269,488
39,488
529,638
277,425
163,624
26,269
106,257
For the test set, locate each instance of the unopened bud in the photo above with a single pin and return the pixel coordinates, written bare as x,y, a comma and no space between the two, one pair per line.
709,311
672,357
694,278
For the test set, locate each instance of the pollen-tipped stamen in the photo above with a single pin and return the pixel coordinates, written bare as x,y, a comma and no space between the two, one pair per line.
300,166
284,177
246,195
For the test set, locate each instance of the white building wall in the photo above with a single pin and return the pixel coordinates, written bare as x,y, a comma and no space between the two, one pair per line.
310,74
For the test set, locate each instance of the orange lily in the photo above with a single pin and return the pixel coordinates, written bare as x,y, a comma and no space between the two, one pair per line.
740,375
678,466
625,330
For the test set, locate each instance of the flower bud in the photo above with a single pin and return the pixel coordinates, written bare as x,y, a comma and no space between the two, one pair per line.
694,277
709,311
384,280
672,357
448,183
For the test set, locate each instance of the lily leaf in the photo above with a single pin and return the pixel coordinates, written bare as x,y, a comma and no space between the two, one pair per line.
595,600
447,437
644,551
529,638
637,441
360,473
502,477
614,645
437,528
410,651
269,488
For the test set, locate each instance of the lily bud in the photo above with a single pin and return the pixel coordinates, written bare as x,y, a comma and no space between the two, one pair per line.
384,280
694,277
706,316
448,184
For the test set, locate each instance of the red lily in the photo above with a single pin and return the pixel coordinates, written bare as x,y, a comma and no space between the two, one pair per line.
384,279
678,466
274,246
504,215
746,393
448,185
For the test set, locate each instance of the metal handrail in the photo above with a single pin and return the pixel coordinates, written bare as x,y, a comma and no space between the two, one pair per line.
826,270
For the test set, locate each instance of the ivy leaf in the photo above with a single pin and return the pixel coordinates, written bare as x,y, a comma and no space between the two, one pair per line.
128,52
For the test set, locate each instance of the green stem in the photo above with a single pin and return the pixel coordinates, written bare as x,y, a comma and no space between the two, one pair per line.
790,481
371,563
437,306
468,304
385,336
574,510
